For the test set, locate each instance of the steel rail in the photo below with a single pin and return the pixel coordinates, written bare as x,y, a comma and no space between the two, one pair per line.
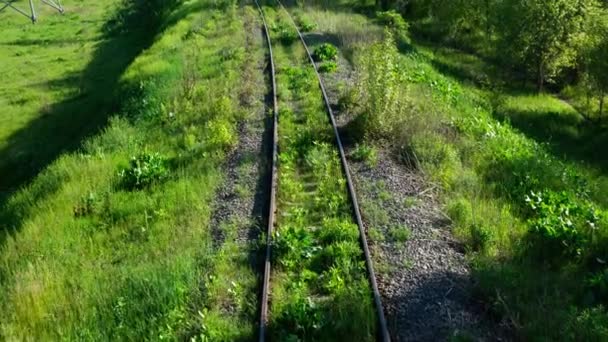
273,184
384,334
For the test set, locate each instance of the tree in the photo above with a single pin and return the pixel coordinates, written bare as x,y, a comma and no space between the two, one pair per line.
598,71
540,34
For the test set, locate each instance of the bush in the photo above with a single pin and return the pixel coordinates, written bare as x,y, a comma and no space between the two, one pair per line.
325,52
144,170
328,67
393,20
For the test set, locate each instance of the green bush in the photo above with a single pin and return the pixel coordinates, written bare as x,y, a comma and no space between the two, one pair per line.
393,20
325,52
144,170
328,67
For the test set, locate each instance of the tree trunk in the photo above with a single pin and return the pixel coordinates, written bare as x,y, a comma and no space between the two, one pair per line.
602,96
541,76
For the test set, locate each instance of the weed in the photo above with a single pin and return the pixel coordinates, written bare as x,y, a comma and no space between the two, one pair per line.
144,170
325,52
410,202
328,67
408,264
460,211
367,154
481,236
400,233
375,235
86,205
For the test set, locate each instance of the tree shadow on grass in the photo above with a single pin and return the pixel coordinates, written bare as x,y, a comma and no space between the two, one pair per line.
61,127
567,134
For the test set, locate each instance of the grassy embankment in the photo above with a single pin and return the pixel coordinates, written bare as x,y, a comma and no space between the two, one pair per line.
521,174
111,241
320,289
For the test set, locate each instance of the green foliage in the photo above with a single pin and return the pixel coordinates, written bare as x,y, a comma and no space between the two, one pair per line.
481,236
325,52
547,46
144,170
381,90
588,325
285,33
400,233
328,67
305,24
367,154
393,20
562,221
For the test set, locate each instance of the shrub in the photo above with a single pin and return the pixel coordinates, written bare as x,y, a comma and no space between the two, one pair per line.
393,20
328,67
144,170
325,52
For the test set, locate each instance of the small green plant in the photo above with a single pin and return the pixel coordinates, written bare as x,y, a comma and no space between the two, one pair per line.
328,67
326,52
375,235
410,202
144,170
400,233
366,153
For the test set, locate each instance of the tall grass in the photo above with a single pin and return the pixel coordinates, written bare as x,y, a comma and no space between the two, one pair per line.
85,258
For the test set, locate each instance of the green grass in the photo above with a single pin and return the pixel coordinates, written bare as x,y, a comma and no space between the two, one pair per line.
83,257
320,289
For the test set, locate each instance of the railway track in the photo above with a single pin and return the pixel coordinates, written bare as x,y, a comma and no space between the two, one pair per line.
287,203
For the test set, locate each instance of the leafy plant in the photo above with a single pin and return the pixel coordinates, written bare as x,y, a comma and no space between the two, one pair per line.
144,170
328,67
562,221
325,52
